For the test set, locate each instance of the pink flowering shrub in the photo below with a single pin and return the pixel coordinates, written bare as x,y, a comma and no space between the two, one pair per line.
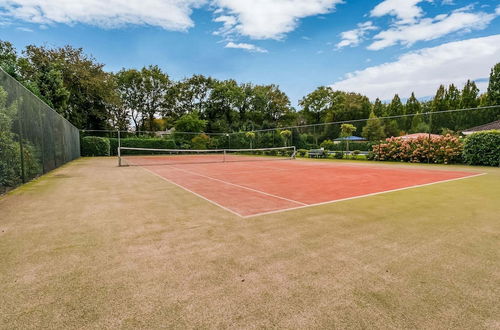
442,149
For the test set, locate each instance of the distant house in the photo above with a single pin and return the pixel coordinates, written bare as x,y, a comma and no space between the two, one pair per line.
485,127
418,135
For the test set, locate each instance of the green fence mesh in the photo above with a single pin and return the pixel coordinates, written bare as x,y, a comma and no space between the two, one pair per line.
34,139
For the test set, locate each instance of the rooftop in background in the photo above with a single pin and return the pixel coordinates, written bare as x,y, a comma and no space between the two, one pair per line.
485,127
350,138
418,135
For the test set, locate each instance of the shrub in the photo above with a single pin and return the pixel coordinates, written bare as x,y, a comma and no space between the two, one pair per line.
301,152
95,146
483,148
442,149
328,145
355,154
338,155
200,141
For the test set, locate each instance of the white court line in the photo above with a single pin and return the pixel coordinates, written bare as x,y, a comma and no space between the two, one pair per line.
194,193
304,205
240,186
360,196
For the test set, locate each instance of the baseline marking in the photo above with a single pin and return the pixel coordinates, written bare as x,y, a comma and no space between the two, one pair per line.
361,196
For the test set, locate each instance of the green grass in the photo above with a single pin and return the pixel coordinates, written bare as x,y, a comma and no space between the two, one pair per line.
95,246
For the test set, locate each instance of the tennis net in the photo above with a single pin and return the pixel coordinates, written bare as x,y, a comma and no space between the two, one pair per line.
128,156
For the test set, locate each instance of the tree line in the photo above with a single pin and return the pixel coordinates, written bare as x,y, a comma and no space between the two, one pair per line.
75,85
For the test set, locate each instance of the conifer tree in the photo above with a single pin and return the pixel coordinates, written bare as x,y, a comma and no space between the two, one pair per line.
412,107
374,130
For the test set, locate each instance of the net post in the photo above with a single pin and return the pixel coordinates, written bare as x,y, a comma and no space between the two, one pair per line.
224,156
119,150
294,152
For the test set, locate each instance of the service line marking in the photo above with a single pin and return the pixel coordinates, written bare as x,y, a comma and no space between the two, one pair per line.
240,186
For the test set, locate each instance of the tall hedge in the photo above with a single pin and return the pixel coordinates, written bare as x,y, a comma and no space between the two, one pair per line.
483,148
95,146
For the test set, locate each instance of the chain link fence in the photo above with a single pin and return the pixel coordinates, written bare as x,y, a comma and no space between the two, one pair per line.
34,139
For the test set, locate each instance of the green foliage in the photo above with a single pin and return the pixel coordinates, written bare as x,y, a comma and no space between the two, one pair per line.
190,123
483,148
347,130
338,155
138,142
251,137
302,152
392,128
95,146
11,169
494,85
285,136
328,145
200,142
378,108
8,58
72,81
374,130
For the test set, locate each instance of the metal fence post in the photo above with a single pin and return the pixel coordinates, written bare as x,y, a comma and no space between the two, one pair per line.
21,148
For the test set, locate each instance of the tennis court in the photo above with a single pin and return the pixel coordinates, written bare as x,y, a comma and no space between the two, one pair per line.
250,185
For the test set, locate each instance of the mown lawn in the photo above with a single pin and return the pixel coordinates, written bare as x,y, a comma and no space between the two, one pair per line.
91,245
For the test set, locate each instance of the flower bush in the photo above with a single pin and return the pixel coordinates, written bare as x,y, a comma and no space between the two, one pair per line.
443,149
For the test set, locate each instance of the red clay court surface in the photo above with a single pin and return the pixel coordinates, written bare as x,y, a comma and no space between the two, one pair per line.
251,188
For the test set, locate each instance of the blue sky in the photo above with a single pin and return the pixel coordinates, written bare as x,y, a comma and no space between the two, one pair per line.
377,48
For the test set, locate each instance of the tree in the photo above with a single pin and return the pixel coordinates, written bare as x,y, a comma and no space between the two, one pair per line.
153,89
190,122
286,134
91,89
8,58
129,84
469,95
251,137
396,108
378,108
494,85
189,95
315,104
453,99
346,131
412,107
374,130
439,103
391,128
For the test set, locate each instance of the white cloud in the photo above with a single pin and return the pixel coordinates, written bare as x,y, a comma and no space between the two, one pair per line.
24,29
167,14
424,70
257,19
431,28
354,37
245,46
406,11
266,19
